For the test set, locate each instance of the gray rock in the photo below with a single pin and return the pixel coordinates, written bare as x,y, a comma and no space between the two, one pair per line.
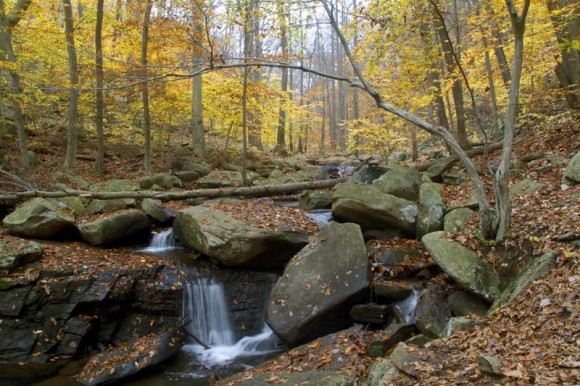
404,359
402,182
431,209
114,227
392,290
367,174
455,219
15,254
435,171
382,372
199,167
222,178
463,265
75,204
525,187
319,285
372,209
187,176
463,303
458,324
432,313
534,270
370,313
490,364
235,242
572,172
318,173
163,180
115,185
454,178
156,211
389,338
39,218
312,199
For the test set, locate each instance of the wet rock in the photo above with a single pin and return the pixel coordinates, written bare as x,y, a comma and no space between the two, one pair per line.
13,300
431,209
122,361
432,313
370,313
319,285
15,254
389,338
463,265
235,242
319,378
372,209
534,270
367,174
114,227
39,218
392,290
402,182
463,303
312,199
156,211
455,219
382,372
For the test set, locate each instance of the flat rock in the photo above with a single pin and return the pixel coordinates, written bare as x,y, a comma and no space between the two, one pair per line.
114,227
14,254
39,218
463,265
319,378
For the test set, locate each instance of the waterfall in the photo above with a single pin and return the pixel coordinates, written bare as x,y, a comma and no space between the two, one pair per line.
205,309
207,318
162,241
407,307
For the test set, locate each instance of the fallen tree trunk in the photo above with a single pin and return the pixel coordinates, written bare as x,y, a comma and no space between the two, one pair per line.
250,191
470,153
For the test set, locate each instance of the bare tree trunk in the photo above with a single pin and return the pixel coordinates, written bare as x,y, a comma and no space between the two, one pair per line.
197,128
281,134
145,86
99,102
502,176
568,67
72,133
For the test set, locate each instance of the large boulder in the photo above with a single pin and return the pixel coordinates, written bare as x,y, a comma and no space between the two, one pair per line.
114,227
222,178
572,172
245,242
159,181
156,211
115,185
534,270
39,218
431,209
432,312
402,182
463,265
319,285
367,174
371,208
455,219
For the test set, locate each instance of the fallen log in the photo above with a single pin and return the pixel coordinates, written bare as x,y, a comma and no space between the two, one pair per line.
249,191
470,153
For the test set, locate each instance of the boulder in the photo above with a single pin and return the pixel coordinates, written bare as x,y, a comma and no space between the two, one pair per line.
115,185
367,174
319,285
435,171
318,378
463,265
392,290
39,218
114,227
455,219
312,199
525,187
458,324
201,168
120,362
405,359
534,270
370,313
238,242
14,254
317,173
402,182
75,204
222,178
431,209
162,180
389,338
382,372
572,172
432,313
156,211
463,303
372,209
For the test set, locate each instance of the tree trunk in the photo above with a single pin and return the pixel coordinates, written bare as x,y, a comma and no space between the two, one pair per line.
72,133
99,97
145,86
197,128
568,67
246,191
281,134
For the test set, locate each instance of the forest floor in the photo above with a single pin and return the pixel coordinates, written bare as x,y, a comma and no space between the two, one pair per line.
537,336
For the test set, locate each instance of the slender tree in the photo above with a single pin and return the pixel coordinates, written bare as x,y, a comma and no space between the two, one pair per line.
99,97
145,86
73,104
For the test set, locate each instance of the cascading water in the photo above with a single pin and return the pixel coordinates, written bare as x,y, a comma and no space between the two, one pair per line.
207,318
162,241
407,307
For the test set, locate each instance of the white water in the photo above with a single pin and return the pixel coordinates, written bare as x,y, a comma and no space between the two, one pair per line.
408,306
162,241
205,307
321,216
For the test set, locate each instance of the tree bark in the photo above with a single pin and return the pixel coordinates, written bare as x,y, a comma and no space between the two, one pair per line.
145,87
247,191
99,94
73,104
281,134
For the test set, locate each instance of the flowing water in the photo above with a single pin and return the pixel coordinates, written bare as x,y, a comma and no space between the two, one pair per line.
162,241
406,308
